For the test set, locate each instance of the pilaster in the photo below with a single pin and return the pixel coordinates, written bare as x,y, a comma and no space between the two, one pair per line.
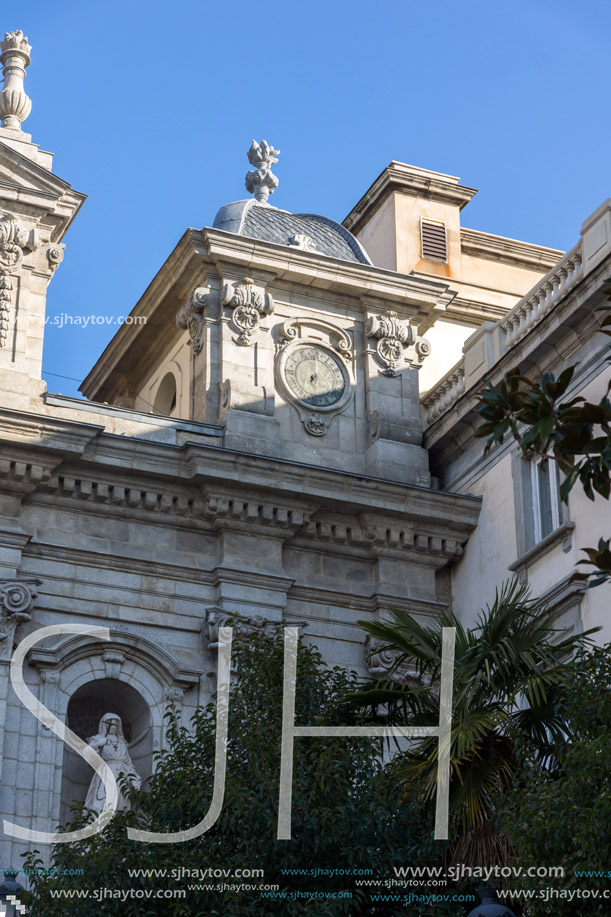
393,353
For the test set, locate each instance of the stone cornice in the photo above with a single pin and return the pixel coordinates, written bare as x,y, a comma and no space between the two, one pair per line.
378,535
312,269
338,491
45,433
32,447
272,582
510,251
146,419
464,311
28,186
398,176
210,487
369,604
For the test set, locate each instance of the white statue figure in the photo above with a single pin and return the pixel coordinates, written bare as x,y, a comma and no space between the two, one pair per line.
110,744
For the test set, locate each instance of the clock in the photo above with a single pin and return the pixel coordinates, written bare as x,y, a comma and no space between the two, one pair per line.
315,377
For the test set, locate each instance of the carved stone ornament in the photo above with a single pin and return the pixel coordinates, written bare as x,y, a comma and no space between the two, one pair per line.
14,239
317,425
191,316
261,181
174,694
16,603
299,329
216,618
392,336
382,663
55,256
397,342
328,351
113,663
303,242
15,105
249,302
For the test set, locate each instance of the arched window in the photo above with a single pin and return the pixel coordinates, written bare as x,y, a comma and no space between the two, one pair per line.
165,399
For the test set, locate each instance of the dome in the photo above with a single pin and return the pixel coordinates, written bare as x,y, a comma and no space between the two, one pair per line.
257,219
306,231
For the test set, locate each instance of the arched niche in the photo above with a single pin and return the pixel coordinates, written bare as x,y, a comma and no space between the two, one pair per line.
127,672
86,707
166,395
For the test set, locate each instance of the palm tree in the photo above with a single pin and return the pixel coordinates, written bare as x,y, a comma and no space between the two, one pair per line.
507,707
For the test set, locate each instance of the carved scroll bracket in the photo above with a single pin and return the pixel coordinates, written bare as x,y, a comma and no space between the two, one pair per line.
309,330
16,604
191,316
15,239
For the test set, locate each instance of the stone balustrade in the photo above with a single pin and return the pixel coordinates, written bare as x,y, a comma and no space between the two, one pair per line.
526,313
538,301
444,393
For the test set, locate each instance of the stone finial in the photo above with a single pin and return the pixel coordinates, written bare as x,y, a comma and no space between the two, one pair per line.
15,105
261,181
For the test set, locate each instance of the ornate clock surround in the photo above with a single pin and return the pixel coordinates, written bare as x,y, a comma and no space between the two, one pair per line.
298,334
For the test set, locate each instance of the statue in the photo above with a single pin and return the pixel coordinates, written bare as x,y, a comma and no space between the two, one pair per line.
110,744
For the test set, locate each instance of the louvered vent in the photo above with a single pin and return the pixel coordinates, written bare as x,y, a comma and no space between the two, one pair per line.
434,240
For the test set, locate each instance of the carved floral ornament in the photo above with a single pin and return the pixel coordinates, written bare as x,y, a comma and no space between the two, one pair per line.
249,303
397,342
16,603
191,316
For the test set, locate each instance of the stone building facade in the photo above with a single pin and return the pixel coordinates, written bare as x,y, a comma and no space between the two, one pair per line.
252,442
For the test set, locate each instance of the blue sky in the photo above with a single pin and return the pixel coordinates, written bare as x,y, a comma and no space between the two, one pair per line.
149,108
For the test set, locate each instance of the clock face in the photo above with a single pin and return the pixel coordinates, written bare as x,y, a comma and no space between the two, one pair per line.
314,376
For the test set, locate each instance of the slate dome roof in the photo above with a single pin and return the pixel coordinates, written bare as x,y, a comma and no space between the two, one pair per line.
308,231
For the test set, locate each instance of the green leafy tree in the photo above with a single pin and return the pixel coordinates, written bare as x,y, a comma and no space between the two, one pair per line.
345,812
508,674
566,821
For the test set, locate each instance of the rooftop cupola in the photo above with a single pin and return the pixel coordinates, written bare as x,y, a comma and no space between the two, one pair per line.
258,219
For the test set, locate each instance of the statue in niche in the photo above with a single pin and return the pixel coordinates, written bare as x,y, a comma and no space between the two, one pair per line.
110,744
